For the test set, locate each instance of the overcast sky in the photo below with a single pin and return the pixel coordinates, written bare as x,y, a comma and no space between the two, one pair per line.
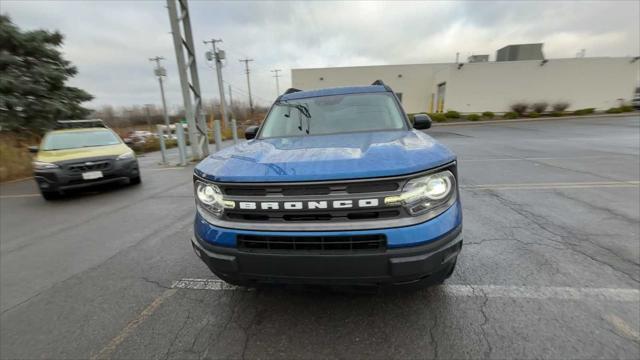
111,41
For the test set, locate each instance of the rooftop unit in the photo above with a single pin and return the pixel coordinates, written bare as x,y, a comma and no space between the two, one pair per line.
478,58
520,52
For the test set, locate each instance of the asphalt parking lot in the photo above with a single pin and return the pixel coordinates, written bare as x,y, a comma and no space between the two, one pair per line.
550,267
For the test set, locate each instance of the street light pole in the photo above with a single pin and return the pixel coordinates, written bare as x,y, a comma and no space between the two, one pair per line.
161,72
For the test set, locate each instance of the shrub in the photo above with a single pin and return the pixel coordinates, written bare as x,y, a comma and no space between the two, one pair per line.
557,113
584,111
488,115
626,108
560,106
614,110
539,107
473,117
438,117
534,114
519,108
510,115
451,114
15,159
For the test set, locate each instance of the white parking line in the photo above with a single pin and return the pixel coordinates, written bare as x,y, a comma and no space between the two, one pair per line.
566,185
492,291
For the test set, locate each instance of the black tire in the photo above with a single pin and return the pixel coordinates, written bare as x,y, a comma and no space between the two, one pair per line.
50,195
135,180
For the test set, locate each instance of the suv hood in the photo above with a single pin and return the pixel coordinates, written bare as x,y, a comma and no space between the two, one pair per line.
326,157
81,153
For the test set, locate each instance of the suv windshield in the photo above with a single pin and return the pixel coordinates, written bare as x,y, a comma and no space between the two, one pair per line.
333,114
70,140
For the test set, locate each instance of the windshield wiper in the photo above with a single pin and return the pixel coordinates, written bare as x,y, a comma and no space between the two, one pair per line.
302,110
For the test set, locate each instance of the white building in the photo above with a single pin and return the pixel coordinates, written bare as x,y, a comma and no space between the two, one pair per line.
598,83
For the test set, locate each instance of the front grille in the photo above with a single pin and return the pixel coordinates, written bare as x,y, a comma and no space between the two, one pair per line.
313,216
306,189
332,244
89,166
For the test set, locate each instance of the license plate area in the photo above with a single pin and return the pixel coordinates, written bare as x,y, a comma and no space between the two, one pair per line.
91,175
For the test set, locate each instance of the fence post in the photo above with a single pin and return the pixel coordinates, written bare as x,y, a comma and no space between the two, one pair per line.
217,136
163,149
181,144
234,131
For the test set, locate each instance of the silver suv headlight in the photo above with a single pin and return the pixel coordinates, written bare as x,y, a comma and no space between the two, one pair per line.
209,197
432,192
41,165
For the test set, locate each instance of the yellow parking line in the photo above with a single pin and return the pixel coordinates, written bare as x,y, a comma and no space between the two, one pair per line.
18,180
18,196
108,350
622,327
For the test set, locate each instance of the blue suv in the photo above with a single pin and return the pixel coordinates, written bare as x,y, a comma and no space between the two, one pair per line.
337,187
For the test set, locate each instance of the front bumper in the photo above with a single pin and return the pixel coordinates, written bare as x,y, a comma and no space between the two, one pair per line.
394,266
60,179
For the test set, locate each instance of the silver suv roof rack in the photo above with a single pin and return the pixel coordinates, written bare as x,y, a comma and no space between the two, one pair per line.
78,124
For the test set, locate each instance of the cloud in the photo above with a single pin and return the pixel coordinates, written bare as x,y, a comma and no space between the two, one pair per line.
111,42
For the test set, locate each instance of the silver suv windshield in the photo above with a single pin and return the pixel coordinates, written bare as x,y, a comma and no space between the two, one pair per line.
79,139
333,114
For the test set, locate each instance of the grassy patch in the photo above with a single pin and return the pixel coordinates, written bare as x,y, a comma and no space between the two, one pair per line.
15,159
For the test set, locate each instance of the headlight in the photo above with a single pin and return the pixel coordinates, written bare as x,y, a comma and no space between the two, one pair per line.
209,196
426,193
127,155
41,165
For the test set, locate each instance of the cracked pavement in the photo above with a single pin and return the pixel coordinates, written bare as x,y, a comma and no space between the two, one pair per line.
74,273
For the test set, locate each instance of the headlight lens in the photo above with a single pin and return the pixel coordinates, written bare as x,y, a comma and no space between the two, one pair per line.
41,165
209,196
127,155
426,193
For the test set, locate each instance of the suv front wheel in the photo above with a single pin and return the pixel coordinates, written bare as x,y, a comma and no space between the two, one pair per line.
50,195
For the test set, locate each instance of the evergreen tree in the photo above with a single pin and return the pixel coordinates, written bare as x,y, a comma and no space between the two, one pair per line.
33,73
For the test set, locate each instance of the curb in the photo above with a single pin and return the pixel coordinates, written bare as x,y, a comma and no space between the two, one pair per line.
634,113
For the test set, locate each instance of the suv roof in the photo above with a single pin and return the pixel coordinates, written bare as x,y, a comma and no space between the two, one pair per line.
334,91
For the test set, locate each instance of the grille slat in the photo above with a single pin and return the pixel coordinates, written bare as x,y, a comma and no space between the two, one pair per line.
92,166
319,244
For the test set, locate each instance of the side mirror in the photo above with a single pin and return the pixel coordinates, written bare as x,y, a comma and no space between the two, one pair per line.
421,121
34,149
251,132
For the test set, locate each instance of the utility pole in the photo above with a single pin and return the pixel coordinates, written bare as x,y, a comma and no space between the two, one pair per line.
276,71
147,114
161,72
230,98
189,81
218,55
246,66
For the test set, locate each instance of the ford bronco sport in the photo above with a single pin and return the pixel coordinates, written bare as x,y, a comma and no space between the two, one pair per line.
338,187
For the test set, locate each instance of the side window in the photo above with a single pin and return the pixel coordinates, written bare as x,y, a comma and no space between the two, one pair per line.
399,95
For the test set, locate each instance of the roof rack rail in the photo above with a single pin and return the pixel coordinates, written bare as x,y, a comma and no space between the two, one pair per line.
291,90
78,124
381,83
